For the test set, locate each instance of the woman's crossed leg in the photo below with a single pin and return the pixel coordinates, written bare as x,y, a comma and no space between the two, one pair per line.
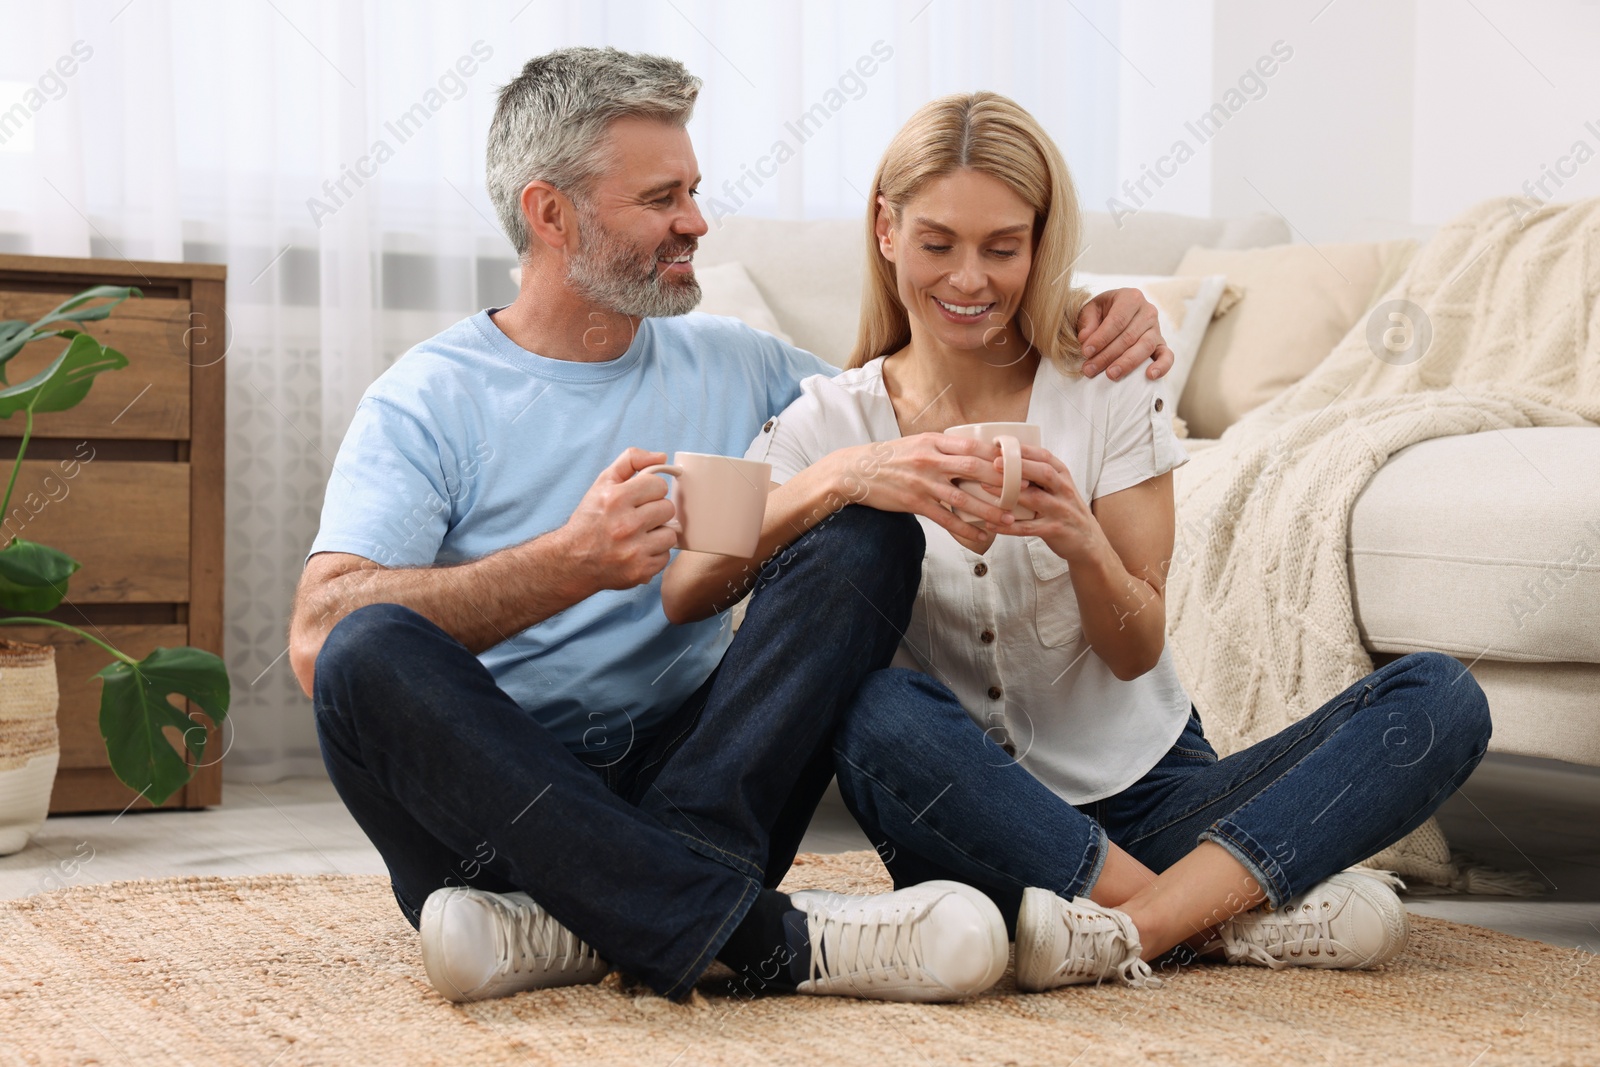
1195,841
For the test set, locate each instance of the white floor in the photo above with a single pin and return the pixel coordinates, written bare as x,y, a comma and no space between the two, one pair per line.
1514,812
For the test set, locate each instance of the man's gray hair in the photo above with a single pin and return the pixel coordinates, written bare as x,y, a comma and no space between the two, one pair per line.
551,120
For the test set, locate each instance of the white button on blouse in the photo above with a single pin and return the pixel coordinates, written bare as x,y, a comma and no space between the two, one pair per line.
1001,629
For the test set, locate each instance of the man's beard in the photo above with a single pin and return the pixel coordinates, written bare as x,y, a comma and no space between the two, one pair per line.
607,271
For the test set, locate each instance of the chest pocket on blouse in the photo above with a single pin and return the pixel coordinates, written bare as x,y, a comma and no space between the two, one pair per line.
1055,606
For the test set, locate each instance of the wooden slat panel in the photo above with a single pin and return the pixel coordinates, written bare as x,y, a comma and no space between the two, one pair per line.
85,615
149,398
111,271
126,523
101,447
207,521
85,789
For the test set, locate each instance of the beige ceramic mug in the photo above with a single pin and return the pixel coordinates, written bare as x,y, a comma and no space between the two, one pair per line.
720,502
1010,436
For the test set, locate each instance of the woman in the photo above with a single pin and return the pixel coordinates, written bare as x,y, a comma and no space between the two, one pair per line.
1033,739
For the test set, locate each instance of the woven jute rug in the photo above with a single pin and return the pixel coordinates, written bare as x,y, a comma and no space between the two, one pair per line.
323,970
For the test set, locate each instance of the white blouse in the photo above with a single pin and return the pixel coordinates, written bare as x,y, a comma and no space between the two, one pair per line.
1002,629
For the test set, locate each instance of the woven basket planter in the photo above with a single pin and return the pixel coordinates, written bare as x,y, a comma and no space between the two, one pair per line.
30,745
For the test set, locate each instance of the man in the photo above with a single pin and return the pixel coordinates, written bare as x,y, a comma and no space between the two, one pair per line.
559,780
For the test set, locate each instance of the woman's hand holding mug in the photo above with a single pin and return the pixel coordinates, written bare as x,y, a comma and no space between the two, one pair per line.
1009,439
918,475
1061,516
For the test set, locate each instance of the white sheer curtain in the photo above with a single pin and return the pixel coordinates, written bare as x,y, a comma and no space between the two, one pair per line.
331,153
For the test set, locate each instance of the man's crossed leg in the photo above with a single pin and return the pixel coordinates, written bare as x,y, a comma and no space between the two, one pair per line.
546,869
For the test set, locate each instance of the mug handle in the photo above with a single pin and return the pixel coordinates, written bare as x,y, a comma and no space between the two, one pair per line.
1011,470
677,472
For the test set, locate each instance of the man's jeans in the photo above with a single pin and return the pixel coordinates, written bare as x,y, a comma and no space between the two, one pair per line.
940,799
654,859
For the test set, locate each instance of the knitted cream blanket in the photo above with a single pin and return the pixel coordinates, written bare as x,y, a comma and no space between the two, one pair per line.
1258,599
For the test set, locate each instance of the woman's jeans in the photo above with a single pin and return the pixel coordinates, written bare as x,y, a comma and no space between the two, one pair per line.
940,799
654,859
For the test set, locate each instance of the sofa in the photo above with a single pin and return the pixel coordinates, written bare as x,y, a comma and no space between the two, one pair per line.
1483,546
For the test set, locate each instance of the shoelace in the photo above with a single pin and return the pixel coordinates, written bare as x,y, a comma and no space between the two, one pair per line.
1291,935
1088,949
530,937
883,941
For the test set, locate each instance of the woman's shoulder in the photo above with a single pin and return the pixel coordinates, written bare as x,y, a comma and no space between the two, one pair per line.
867,378
855,387
832,411
1100,393
846,405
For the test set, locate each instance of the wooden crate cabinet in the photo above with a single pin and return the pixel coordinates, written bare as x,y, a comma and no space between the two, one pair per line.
130,484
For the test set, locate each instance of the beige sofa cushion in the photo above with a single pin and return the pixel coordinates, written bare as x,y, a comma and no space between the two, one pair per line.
1299,300
726,289
1542,709
1484,546
809,274
1152,242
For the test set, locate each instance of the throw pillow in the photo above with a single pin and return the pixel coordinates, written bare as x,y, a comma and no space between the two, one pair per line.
726,289
1298,302
1186,305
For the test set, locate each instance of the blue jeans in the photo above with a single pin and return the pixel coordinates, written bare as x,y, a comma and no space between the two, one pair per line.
656,858
940,799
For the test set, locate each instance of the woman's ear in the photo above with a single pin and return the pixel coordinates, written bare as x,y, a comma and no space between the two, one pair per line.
883,226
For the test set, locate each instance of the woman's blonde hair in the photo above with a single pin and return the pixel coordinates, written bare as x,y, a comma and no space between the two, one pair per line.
992,134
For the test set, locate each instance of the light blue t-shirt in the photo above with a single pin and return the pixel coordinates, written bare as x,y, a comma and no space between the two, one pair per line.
470,444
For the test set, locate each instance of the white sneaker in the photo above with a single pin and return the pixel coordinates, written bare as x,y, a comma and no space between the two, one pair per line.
938,941
826,898
1070,942
477,945
1349,920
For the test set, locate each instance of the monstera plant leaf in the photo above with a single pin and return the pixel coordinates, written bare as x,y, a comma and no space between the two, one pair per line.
74,310
134,709
65,382
14,333
33,577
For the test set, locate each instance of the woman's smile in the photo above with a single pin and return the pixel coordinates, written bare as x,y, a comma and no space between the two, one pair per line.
965,312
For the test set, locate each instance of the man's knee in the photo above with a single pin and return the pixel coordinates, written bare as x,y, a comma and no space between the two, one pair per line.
368,639
882,546
894,531
859,532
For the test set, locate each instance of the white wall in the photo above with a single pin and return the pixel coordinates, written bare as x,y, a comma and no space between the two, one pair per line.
1394,115
1165,69
1328,146
1502,99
